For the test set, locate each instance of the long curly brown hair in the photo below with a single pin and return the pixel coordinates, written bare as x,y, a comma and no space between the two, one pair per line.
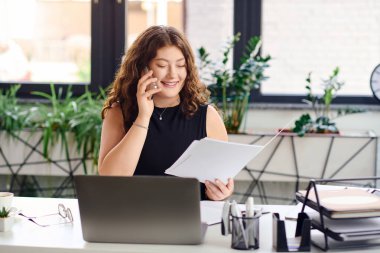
193,94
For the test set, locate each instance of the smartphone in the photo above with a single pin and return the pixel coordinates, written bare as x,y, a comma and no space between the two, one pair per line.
152,85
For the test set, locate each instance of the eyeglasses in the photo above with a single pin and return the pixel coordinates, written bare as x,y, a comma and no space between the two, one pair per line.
50,219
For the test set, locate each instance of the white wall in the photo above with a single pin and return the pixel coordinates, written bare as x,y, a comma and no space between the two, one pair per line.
317,36
209,24
261,119
270,120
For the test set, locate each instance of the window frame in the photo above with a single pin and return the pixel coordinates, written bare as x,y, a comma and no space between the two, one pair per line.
247,21
107,49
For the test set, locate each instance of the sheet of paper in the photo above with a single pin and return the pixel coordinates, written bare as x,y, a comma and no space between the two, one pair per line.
211,159
211,211
186,154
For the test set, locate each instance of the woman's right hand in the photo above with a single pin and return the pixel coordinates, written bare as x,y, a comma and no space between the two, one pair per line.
144,95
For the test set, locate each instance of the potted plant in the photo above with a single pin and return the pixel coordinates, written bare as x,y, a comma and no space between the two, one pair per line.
45,136
231,88
69,115
6,220
321,105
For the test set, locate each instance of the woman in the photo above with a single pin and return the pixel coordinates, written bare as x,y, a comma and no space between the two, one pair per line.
156,108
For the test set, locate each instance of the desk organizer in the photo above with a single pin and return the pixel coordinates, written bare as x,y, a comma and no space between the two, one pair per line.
245,232
324,237
301,241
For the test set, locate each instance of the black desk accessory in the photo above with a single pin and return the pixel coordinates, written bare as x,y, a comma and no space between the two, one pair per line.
245,230
328,235
282,244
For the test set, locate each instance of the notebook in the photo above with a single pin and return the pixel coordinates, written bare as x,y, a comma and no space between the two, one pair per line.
140,209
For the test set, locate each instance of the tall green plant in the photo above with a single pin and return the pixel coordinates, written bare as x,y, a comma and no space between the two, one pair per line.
87,125
231,88
54,118
69,114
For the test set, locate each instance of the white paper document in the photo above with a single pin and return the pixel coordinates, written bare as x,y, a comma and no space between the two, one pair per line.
211,211
210,159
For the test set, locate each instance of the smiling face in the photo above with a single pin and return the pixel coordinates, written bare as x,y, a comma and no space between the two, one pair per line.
169,67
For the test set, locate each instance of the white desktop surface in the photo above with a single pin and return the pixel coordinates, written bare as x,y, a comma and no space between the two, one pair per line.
26,236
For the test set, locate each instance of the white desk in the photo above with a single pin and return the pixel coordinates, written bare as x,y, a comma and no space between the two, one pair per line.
28,237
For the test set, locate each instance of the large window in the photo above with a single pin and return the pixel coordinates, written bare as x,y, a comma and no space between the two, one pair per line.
144,13
42,41
315,36
64,42
73,42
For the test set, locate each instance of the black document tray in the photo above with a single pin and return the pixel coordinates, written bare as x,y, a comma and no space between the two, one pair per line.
328,239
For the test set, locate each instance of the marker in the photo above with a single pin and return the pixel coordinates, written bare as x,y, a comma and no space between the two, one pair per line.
249,207
226,219
250,214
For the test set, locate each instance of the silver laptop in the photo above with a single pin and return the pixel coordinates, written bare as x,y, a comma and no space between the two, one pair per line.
140,209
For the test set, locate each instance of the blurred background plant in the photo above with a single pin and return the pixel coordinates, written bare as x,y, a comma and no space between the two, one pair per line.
86,125
57,118
321,106
231,88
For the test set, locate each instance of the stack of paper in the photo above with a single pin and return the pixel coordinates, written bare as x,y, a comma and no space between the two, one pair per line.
210,159
348,229
343,203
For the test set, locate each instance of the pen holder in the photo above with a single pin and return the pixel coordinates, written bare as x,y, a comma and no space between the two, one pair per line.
245,232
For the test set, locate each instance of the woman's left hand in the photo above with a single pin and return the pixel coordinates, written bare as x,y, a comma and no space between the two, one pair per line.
217,190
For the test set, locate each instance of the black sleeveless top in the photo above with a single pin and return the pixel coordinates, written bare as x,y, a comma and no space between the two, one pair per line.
168,138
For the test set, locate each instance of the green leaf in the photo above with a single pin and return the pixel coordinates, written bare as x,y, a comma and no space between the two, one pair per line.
230,88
